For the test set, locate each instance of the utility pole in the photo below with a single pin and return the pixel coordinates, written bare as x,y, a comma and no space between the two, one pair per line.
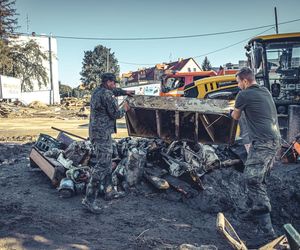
50,71
27,23
107,61
276,20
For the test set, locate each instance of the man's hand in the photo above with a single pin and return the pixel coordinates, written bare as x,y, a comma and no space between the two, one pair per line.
229,114
126,106
130,92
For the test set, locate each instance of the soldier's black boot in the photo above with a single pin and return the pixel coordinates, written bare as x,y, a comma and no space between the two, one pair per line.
265,232
111,193
89,202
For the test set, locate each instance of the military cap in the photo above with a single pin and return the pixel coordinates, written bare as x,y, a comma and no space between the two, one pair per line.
108,77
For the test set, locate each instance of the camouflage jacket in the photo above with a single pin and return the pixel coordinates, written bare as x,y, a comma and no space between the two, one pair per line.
104,112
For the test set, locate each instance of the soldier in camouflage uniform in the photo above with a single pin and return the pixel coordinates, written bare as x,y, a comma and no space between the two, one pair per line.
261,116
104,112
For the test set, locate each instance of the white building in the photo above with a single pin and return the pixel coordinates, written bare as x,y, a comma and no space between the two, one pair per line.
47,94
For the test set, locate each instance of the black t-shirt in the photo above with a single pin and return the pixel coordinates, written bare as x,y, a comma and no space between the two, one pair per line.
260,111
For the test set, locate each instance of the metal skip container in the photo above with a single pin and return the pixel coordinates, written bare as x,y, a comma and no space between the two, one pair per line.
180,118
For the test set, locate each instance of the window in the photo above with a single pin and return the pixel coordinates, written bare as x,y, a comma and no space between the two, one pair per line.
189,70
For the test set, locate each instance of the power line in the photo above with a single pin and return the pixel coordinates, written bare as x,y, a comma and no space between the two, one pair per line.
208,53
131,63
231,45
165,37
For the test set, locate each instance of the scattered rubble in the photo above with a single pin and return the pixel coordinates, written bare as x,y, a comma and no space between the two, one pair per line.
178,166
70,108
147,218
73,101
37,105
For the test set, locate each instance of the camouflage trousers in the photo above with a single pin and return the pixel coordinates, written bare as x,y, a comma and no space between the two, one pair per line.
257,167
101,173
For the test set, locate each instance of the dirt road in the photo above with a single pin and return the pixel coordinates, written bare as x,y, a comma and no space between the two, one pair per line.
28,129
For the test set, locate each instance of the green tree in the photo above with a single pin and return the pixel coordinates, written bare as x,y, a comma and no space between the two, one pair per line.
95,64
28,65
21,60
206,64
8,20
6,62
64,90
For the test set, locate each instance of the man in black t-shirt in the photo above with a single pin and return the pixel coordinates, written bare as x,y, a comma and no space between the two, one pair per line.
261,116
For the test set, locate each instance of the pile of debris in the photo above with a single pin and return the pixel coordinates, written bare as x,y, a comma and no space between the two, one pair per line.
37,105
178,166
79,110
4,111
77,102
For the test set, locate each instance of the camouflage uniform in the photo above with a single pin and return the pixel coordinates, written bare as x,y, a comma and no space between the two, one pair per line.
258,164
104,112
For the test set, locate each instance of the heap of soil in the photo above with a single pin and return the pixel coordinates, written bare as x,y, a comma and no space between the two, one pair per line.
33,216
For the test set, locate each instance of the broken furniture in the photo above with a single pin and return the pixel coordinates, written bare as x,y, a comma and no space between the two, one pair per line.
291,239
226,229
51,167
170,118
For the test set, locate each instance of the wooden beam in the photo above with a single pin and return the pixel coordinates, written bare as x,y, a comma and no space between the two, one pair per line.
177,125
209,129
158,122
196,136
43,164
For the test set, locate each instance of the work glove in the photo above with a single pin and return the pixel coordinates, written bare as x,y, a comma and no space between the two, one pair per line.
130,93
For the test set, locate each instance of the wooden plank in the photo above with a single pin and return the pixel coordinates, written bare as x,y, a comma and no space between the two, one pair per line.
177,121
158,122
209,129
43,164
196,136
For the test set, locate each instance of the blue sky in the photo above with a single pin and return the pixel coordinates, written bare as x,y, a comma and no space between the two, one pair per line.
156,18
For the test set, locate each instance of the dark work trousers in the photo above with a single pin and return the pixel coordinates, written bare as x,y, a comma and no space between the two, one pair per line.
257,167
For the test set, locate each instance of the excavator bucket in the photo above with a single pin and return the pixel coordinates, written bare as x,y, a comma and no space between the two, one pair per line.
188,119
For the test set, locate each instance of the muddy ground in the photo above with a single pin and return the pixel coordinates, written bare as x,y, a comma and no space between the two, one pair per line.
33,216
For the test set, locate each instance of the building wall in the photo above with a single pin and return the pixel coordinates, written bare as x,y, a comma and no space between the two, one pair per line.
43,96
45,44
191,66
10,87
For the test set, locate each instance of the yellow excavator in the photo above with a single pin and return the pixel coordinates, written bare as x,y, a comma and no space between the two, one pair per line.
214,87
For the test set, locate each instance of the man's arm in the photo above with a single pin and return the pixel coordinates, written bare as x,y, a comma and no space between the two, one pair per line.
122,92
112,107
119,92
239,106
236,114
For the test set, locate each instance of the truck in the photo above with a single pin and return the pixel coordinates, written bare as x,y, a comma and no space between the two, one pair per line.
275,60
173,83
